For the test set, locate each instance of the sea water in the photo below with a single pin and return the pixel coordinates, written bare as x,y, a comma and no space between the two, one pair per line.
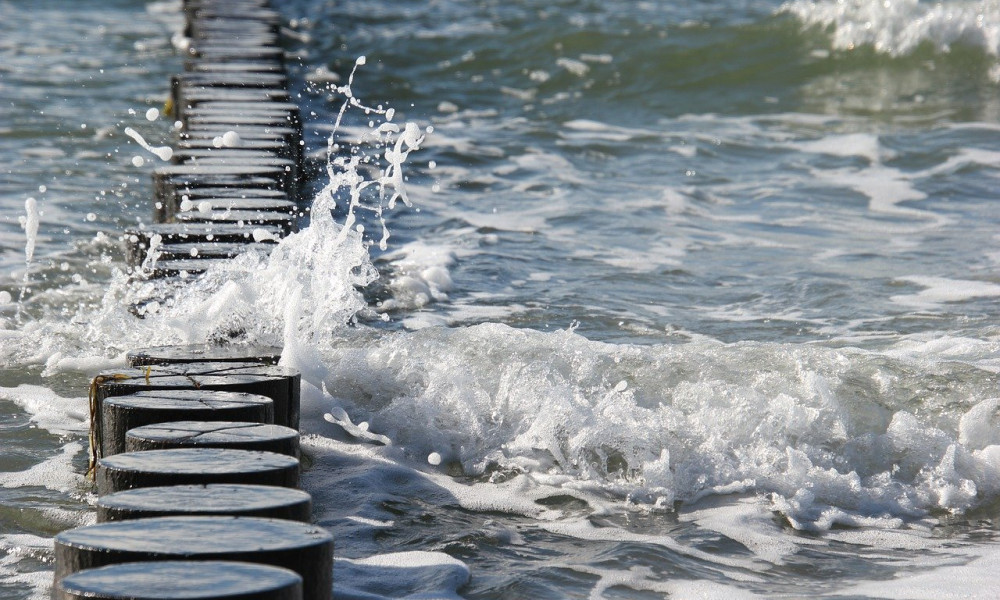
684,300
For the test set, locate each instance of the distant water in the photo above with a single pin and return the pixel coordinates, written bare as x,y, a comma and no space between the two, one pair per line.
692,300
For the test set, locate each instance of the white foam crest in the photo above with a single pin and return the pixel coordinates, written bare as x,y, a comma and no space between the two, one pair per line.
304,290
749,522
898,27
709,590
642,578
886,188
966,157
880,539
691,420
590,131
850,144
585,530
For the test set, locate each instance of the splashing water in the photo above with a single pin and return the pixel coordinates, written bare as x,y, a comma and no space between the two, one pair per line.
343,171
163,152
306,288
30,224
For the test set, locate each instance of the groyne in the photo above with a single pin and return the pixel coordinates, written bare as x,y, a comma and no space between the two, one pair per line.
194,449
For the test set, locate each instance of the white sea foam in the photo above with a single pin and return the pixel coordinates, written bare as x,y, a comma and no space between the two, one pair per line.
401,575
749,522
486,399
821,436
16,547
969,579
692,420
55,473
49,410
940,290
851,144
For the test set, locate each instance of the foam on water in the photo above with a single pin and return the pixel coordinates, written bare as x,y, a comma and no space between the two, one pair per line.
401,575
485,398
941,290
56,473
48,410
975,578
16,550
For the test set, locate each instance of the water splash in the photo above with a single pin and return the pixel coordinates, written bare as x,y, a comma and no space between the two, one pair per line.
307,287
163,152
827,436
343,170
29,222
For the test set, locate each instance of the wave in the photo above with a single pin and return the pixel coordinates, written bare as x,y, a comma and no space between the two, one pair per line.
899,27
830,436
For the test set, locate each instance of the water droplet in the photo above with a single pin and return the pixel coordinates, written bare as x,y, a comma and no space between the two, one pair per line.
230,139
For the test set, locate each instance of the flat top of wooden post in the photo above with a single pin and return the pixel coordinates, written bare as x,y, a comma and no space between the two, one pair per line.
212,431
195,374
179,580
186,399
204,353
207,461
203,498
194,536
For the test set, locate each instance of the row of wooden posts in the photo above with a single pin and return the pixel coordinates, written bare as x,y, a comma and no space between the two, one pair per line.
195,449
